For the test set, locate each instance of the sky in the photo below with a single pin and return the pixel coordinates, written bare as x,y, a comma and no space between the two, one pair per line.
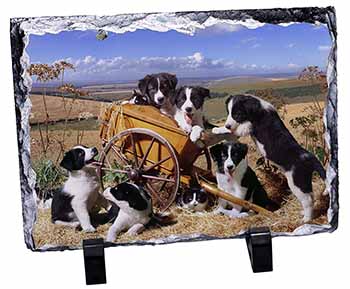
218,51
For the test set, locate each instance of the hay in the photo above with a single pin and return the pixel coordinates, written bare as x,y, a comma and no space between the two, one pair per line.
286,219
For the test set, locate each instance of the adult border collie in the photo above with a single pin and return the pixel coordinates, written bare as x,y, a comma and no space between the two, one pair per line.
158,89
235,177
72,204
188,114
250,115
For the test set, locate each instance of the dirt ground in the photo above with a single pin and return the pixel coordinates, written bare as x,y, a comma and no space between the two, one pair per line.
286,219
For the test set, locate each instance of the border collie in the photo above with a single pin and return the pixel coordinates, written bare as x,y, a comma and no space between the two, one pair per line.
235,177
135,209
189,102
250,115
158,89
193,199
71,205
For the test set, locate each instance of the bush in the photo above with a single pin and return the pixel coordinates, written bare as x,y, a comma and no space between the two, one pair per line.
48,177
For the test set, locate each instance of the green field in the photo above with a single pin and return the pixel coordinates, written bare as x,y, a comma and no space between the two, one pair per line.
241,87
290,90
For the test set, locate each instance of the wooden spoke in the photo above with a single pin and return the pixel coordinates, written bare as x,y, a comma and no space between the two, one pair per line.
134,148
131,155
154,192
157,164
164,183
158,178
108,163
119,155
115,170
147,153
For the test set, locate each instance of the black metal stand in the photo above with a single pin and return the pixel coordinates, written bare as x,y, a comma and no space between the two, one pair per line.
94,260
259,243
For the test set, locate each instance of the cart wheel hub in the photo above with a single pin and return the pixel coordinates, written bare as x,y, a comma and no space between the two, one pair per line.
134,175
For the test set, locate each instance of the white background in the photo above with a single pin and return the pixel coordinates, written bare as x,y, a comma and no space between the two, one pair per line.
319,261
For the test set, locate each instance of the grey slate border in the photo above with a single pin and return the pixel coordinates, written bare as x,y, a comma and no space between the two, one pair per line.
22,86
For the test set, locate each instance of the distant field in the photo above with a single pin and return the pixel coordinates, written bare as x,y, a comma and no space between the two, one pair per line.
248,84
55,106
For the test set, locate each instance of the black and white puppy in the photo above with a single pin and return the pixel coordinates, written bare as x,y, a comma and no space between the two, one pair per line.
235,177
250,115
159,89
135,209
71,205
193,199
189,102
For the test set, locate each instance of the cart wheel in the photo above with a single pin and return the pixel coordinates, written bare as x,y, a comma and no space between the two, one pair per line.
144,157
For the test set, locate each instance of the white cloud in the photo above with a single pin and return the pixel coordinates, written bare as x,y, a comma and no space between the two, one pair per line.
291,45
256,45
220,28
196,64
293,65
323,47
250,39
89,59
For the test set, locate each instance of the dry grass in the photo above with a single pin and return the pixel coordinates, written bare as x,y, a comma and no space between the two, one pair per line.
286,219
56,108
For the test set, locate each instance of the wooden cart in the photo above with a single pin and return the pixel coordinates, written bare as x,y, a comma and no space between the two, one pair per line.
146,147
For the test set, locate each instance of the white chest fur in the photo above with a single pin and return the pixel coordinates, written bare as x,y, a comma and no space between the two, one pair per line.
83,185
232,183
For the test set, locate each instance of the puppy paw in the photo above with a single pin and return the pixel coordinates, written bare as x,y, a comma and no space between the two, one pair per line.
89,229
196,133
187,128
135,230
220,130
242,215
110,239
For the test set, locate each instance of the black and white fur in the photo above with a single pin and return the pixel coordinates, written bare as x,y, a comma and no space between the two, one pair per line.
188,114
158,89
250,115
193,199
135,209
235,177
71,205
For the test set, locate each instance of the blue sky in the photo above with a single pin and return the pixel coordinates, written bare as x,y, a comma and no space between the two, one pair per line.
219,50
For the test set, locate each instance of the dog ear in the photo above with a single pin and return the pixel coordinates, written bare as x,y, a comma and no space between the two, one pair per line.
204,91
68,161
73,160
243,148
252,107
172,80
175,96
143,84
215,151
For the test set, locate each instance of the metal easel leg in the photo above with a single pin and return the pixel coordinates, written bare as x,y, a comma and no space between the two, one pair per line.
94,261
259,243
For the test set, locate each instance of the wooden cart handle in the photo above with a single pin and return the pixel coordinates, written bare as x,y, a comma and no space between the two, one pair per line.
213,189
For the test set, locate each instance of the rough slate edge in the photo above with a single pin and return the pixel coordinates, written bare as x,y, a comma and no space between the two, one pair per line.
22,85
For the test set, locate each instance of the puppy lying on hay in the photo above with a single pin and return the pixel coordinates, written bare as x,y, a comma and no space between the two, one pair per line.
133,207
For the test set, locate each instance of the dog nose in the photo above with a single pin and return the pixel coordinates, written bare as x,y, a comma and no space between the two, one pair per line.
230,167
228,126
160,99
188,109
94,150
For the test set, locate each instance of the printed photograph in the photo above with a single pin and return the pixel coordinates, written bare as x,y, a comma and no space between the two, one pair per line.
148,135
